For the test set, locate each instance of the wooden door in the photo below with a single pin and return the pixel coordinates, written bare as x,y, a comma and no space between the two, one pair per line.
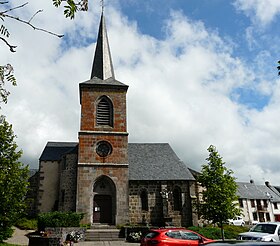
102,209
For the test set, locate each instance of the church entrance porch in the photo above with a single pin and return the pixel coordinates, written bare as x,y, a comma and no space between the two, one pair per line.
104,201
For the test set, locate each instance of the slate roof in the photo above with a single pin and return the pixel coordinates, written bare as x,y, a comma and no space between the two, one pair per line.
155,161
253,191
54,150
147,161
102,63
110,82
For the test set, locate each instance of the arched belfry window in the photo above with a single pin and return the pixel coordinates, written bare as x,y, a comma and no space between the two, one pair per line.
104,112
144,200
177,199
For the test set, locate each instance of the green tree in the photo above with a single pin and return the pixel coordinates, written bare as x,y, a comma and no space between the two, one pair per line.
13,180
219,191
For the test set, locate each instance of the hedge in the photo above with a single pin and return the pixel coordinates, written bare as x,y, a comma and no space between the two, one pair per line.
59,219
212,232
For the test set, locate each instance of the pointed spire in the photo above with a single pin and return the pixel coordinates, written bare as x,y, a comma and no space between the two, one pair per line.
102,67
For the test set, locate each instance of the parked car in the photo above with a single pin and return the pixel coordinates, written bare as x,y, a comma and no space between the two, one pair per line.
238,221
241,243
264,231
173,237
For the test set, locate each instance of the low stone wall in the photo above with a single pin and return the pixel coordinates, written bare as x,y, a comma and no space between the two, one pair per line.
62,232
54,236
43,241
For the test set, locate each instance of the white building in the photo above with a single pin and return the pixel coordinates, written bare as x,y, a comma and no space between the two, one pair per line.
258,202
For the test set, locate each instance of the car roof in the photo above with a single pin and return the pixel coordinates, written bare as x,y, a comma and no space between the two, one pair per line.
169,229
269,223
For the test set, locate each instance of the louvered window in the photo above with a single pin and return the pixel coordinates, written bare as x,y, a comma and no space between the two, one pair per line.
104,112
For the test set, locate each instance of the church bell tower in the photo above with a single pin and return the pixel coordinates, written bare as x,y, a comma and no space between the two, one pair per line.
102,172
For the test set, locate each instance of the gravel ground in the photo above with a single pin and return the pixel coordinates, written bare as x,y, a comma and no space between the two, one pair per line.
19,237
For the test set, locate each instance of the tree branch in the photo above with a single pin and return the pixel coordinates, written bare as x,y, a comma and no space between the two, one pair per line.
17,7
38,11
12,47
34,27
3,14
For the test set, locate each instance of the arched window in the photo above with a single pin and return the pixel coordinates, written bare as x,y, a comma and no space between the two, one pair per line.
144,200
177,199
104,112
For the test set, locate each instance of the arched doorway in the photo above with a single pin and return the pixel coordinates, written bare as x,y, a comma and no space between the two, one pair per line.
104,201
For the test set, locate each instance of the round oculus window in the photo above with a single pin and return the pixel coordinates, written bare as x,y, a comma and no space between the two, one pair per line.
103,148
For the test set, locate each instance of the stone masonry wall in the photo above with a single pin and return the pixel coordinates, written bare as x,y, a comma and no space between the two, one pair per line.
86,178
68,183
89,101
154,215
32,193
48,185
87,146
91,166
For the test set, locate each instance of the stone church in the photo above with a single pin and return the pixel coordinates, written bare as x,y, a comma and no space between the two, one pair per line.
103,176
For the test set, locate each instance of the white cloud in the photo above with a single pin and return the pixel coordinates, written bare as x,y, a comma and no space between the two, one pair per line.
260,11
179,90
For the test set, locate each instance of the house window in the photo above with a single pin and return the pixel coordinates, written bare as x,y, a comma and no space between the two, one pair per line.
255,216
253,203
267,217
177,199
265,203
240,203
275,205
144,200
104,112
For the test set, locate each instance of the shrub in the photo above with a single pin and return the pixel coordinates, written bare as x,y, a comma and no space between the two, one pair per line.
27,224
59,219
6,233
212,232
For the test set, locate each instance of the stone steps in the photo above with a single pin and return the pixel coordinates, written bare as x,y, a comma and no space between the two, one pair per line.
106,233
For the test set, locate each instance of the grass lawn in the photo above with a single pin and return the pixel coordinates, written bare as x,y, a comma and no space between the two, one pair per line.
8,244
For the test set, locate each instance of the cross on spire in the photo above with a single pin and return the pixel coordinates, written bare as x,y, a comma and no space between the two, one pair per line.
102,5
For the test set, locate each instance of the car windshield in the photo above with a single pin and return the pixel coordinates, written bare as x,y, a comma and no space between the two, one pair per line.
264,228
151,234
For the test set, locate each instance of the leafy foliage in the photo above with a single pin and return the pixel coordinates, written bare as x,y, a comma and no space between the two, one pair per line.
231,231
13,180
59,219
71,7
27,224
278,67
6,75
4,31
219,193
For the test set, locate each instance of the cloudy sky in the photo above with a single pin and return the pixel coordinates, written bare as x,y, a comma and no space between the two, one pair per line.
199,72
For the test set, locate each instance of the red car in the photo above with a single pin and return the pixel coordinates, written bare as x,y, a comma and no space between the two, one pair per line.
173,237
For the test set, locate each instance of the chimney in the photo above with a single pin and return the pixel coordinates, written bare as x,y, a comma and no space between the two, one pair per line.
251,181
267,183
